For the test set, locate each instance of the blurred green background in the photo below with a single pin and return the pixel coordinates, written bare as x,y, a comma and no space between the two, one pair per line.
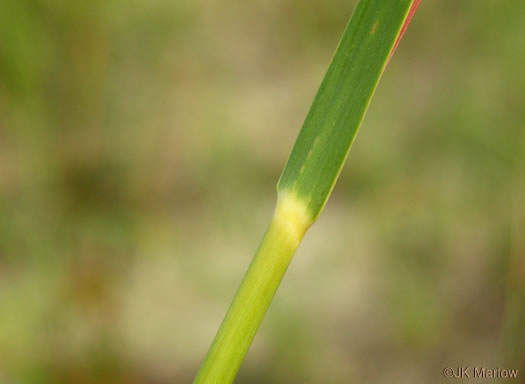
140,145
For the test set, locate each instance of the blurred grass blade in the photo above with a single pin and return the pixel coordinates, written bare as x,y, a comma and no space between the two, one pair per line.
310,173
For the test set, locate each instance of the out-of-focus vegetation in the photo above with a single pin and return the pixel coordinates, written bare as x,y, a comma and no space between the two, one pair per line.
126,129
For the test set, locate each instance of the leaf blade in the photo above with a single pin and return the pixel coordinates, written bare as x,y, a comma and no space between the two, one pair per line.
342,100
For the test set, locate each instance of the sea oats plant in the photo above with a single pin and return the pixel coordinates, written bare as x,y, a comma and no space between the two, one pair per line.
372,35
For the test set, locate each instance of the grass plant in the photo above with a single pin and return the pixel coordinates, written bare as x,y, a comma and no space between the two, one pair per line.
367,44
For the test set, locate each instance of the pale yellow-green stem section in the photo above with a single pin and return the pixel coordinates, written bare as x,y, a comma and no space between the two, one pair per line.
289,223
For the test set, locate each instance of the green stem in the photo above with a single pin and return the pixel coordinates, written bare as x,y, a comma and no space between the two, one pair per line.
287,228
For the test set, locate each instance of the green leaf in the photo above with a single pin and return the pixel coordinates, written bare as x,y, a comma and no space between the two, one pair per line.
341,102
